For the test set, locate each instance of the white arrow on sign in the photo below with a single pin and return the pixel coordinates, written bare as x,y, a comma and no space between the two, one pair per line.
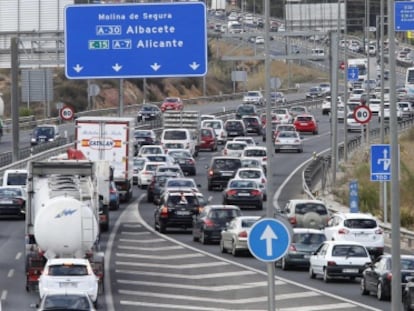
117,67
155,66
194,65
268,235
78,68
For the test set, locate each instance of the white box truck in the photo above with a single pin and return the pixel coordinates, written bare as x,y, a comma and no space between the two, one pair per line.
109,139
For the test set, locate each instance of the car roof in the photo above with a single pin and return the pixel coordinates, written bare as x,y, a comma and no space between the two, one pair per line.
356,215
307,230
306,201
221,206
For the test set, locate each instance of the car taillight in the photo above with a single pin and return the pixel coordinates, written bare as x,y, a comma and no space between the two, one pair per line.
164,212
210,173
331,263
255,192
343,231
190,161
231,192
389,276
208,223
292,248
293,220
379,231
242,234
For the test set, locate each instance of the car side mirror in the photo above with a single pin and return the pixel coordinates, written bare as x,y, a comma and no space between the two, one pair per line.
410,278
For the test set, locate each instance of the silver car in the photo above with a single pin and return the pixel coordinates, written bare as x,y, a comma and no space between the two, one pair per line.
288,140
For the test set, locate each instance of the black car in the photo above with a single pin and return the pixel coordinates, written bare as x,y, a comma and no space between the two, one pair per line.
246,110
212,220
376,278
156,186
148,112
234,128
144,137
44,133
185,160
221,170
176,209
252,124
13,201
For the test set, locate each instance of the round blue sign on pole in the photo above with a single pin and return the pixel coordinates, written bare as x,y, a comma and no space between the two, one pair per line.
269,239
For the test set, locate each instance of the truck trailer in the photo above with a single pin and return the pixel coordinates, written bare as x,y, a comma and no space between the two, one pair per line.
109,139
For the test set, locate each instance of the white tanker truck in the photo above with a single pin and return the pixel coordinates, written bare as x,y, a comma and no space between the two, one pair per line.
62,218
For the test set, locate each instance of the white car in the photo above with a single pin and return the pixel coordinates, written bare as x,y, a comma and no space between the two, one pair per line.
357,227
258,153
234,236
374,105
283,115
254,97
406,108
150,149
387,113
138,165
352,124
288,140
247,139
166,158
356,94
145,175
256,174
67,273
234,148
218,126
339,259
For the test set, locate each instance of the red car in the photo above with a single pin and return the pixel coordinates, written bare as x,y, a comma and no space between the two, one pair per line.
172,103
306,123
208,139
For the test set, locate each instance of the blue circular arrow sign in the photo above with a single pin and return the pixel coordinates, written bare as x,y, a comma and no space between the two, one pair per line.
269,239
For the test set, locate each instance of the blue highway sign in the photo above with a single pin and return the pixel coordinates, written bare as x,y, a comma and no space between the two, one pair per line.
380,162
269,239
403,15
136,40
353,73
353,196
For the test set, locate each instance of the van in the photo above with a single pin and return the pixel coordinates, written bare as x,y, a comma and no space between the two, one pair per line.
318,54
15,178
44,133
185,136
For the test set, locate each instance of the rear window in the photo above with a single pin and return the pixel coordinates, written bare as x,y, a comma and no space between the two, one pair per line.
303,208
236,146
175,135
247,223
349,251
69,270
249,174
185,200
308,238
304,119
224,213
212,124
255,153
151,150
16,179
360,223
227,164
206,133
157,158
246,109
234,124
181,183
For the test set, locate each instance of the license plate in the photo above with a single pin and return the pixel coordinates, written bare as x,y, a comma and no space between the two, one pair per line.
304,124
141,139
244,194
227,174
6,202
182,213
68,284
350,270
233,133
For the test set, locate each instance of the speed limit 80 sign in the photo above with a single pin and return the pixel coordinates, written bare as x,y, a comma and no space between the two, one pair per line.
362,114
66,113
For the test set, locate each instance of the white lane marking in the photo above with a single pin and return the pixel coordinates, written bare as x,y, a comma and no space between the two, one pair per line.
11,273
177,307
153,249
188,277
228,301
333,306
166,266
131,225
208,288
3,295
18,255
164,257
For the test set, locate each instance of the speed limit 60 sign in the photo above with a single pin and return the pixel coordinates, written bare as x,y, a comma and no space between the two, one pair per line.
362,114
66,113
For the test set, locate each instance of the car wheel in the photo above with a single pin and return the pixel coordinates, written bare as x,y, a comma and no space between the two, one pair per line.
380,292
162,228
276,150
209,187
234,250
150,198
312,275
259,206
222,249
326,276
363,288
203,239
284,264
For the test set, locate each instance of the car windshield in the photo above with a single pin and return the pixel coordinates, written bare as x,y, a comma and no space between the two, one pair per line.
250,163
242,184
44,131
247,223
214,125
148,108
142,134
303,208
349,251
235,146
360,223
246,109
139,163
171,100
309,238
174,146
